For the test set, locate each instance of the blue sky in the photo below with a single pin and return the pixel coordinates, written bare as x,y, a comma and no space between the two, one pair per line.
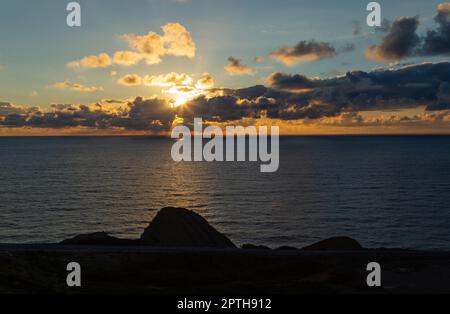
36,43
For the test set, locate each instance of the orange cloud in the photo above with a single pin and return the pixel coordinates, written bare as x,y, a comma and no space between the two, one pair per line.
205,82
130,80
178,40
170,79
103,60
304,51
151,47
127,58
76,87
175,41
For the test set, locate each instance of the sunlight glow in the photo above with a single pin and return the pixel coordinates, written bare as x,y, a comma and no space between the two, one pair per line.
180,100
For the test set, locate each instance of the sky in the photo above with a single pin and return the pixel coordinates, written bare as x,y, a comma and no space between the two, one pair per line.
312,67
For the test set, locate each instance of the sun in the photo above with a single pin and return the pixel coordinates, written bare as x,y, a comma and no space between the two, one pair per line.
180,100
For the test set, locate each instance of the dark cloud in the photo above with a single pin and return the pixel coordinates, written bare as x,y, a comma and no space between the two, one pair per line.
8,109
399,43
294,82
437,42
443,98
402,40
147,114
304,51
236,67
407,87
291,97
140,114
287,97
218,109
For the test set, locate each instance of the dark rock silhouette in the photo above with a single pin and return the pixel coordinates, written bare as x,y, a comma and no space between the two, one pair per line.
335,244
97,238
254,247
179,227
286,248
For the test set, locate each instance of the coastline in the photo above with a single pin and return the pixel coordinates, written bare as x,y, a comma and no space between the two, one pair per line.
180,253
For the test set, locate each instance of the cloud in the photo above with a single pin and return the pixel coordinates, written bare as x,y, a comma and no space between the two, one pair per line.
437,42
103,60
336,99
147,114
296,82
293,97
127,58
399,43
168,80
151,47
236,67
76,87
402,40
151,114
216,109
178,85
7,108
443,98
178,41
405,87
290,98
175,41
304,51
205,82
130,80
424,120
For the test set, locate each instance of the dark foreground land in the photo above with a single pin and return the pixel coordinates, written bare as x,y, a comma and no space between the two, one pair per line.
179,253
42,269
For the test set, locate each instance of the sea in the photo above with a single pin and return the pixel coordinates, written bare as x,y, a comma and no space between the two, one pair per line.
384,191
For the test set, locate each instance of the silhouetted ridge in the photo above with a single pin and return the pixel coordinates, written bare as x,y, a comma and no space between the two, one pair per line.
97,238
179,227
335,244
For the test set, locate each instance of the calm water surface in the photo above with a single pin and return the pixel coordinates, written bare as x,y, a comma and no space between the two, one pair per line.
383,191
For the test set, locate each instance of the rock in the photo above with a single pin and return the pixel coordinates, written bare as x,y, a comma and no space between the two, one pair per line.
255,247
335,244
179,227
286,248
97,238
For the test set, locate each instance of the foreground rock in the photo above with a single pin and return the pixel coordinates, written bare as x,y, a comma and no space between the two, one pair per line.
179,227
335,244
172,227
97,238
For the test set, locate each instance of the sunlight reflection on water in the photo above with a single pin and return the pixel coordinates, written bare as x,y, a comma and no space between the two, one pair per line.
383,191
